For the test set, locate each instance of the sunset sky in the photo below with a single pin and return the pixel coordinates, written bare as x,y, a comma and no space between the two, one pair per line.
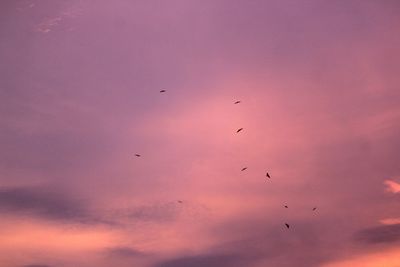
319,86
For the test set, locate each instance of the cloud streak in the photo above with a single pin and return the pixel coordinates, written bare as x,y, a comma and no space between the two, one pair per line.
46,204
380,234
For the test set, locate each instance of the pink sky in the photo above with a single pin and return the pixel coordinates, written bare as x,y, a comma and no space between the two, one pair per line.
79,97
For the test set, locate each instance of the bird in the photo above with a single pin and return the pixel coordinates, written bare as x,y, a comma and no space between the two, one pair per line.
163,91
268,175
286,206
239,130
287,225
137,155
244,168
180,201
314,208
237,102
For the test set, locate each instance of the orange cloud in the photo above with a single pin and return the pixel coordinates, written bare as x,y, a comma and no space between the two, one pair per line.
30,236
389,258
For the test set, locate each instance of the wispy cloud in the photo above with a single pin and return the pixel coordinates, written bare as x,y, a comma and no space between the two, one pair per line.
46,204
48,24
379,234
52,22
157,212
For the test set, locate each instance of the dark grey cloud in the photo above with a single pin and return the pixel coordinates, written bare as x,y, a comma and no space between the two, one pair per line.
209,260
45,203
379,234
124,252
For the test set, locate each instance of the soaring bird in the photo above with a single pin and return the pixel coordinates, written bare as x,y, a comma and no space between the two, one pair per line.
162,91
245,168
268,175
286,206
314,208
237,102
287,225
137,155
180,201
239,130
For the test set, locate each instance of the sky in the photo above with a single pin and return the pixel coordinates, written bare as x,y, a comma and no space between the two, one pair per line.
80,85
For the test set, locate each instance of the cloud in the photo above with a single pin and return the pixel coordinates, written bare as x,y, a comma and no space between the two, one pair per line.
165,212
124,252
76,106
392,186
260,242
387,258
390,221
43,203
48,24
379,234
209,260
52,22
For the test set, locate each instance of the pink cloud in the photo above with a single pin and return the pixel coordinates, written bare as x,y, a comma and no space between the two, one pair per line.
318,85
392,186
390,221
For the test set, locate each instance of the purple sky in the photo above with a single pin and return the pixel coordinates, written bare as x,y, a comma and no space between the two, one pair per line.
79,97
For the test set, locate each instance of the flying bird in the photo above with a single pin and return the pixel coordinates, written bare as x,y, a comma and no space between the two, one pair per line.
268,175
162,91
180,201
286,206
237,102
314,208
239,130
245,168
137,155
287,225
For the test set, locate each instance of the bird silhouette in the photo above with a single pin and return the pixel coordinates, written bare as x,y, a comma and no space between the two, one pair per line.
163,91
137,155
286,206
268,175
237,102
180,201
287,225
314,208
245,168
239,130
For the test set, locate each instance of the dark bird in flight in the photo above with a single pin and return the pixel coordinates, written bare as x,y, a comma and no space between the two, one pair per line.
239,130
237,102
287,225
314,208
162,91
137,155
286,206
245,168
180,201
268,175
